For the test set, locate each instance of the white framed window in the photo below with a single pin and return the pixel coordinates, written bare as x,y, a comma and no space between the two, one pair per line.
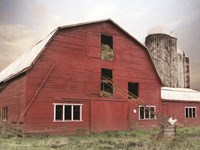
4,113
67,112
147,112
190,112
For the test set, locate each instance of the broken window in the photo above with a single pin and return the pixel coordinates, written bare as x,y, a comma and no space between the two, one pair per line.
107,52
190,112
106,85
4,113
68,112
133,90
147,112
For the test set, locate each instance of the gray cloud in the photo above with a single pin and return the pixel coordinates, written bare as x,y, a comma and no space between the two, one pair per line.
14,40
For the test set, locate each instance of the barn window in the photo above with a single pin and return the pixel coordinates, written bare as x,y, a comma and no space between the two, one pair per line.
147,112
107,48
190,112
106,85
4,113
67,112
133,89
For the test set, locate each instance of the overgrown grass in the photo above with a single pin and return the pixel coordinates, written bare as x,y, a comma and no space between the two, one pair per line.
186,139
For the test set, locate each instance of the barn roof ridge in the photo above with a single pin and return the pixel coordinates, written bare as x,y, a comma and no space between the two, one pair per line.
25,62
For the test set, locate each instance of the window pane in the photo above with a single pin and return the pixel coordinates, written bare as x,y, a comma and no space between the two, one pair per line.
4,113
68,112
141,112
186,112
59,112
190,112
76,113
147,113
193,113
152,112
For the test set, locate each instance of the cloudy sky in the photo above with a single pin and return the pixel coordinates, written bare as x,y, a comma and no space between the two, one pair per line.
24,22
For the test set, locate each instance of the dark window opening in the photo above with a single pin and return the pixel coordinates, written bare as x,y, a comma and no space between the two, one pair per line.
4,113
141,112
76,112
152,111
106,86
59,112
68,112
186,113
107,52
190,112
133,88
147,112
193,112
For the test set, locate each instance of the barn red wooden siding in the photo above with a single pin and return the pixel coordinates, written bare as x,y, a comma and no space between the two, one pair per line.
13,96
176,109
75,51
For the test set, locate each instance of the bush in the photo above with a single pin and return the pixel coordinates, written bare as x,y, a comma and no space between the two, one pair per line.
7,132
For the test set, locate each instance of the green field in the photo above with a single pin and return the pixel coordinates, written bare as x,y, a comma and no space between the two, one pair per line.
186,139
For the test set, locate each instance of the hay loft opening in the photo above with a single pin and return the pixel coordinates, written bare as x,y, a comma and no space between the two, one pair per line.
133,88
106,86
107,52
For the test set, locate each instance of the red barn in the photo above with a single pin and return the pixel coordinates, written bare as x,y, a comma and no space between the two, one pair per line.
58,87
182,104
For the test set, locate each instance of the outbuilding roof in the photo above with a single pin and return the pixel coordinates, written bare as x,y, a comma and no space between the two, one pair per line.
179,94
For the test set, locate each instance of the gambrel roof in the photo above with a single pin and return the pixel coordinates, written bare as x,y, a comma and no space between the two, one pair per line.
28,59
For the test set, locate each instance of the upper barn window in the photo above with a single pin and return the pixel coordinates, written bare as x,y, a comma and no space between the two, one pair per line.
133,89
107,52
106,85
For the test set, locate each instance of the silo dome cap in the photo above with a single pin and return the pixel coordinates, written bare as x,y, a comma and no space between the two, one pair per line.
180,51
160,30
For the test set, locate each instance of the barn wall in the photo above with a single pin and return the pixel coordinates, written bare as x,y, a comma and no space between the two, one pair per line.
76,55
42,117
177,110
135,122
13,97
